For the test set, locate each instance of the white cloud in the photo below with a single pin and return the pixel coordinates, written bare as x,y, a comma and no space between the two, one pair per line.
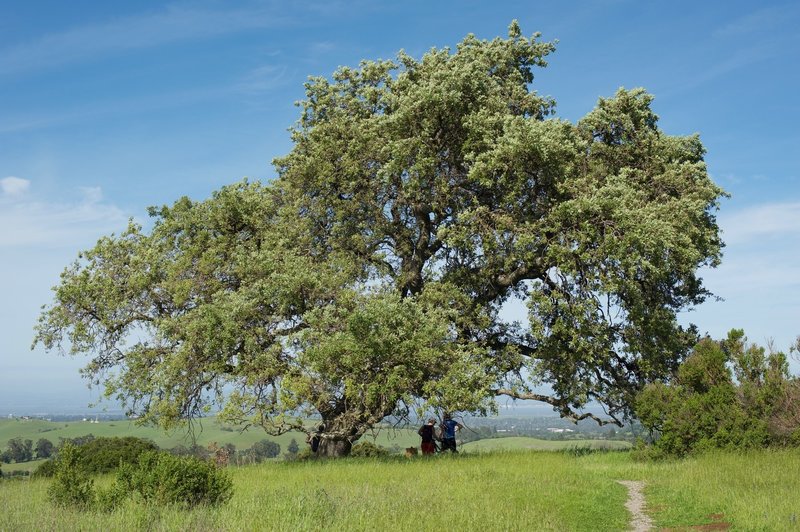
33,223
766,276
92,195
760,222
14,186
759,277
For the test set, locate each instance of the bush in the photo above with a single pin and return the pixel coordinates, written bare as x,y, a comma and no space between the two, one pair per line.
368,449
71,485
305,454
102,455
45,469
163,478
725,395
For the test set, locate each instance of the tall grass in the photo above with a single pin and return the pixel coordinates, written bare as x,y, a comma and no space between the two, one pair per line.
757,490
501,490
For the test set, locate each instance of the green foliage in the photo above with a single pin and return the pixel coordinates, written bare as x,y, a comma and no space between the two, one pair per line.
293,448
44,448
304,454
367,279
157,477
109,498
265,449
707,408
18,450
163,478
71,486
102,455
367,449
46,469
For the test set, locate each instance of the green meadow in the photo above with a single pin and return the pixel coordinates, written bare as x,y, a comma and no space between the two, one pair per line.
520,442
490,490
204,431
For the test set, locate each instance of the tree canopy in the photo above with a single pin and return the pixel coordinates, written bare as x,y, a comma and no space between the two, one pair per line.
369,278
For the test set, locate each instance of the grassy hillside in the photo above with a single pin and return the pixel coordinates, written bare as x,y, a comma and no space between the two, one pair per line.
205,431
30,467
502,490
520,442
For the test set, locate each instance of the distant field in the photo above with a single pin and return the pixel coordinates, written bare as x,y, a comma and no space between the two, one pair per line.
499,490
23,466
519,442
206,431
209,430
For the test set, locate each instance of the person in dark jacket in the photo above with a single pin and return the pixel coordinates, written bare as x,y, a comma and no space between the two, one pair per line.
448,428
428,434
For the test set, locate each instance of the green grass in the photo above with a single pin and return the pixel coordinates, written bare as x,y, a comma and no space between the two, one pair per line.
521,442
23,466
206,430
500,490
494,484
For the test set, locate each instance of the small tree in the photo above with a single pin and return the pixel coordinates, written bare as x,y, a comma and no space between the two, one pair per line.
265,449
705,407
293,447
71,485
44,448
19,450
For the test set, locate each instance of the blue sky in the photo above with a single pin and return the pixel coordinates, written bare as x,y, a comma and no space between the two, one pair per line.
108,107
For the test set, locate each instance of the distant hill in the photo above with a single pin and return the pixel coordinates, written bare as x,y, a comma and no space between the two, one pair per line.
206,430
522,442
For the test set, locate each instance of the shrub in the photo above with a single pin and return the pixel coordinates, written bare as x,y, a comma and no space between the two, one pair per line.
704,407
71,485
108,499
45,469
368,449
305,454
163,478
102,455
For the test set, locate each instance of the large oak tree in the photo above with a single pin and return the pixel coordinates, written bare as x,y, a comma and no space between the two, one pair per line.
369,277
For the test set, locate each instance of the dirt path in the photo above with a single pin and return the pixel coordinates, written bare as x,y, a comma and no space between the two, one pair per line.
640,521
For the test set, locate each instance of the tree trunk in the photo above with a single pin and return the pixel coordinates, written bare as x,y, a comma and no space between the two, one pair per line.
334,448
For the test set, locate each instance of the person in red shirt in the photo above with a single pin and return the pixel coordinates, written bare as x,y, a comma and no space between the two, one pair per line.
428,434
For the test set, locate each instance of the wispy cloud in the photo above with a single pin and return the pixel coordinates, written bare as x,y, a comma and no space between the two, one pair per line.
321,48
36,223
174,23
263,79
757,277
760,20
762,221
14,186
